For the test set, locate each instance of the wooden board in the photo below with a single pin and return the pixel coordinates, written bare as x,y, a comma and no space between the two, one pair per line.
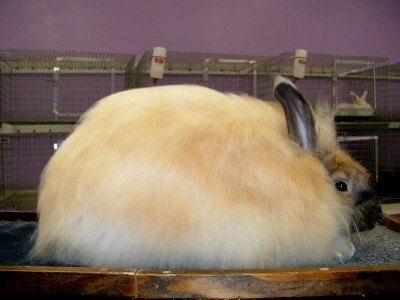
63,281
392,222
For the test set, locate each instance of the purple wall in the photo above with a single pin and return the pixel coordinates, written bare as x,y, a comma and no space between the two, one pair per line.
254,27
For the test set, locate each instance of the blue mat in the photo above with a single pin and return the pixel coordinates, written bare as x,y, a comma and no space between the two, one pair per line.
15,242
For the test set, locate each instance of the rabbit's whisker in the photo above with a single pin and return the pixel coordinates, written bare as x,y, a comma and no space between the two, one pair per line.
357,231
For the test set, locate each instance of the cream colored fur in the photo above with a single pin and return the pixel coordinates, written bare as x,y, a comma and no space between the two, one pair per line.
187,177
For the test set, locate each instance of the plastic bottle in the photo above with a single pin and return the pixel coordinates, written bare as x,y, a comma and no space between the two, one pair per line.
299,65
158,63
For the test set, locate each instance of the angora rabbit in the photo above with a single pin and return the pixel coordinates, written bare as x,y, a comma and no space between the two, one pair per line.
358,107
187,177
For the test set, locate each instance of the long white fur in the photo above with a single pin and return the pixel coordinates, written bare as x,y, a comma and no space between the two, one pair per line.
187,177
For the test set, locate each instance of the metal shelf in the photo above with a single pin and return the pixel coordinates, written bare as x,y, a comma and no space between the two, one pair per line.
367,125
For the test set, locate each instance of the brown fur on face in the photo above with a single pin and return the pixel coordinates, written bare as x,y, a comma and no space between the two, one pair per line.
360,197
366,210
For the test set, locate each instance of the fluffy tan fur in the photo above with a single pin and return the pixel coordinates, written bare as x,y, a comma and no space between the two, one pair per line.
187,177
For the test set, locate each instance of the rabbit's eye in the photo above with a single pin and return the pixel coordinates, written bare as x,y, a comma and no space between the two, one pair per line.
341,186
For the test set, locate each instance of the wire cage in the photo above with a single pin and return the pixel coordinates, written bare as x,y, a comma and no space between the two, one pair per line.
347,83
43,86
224,72
388,82
22,159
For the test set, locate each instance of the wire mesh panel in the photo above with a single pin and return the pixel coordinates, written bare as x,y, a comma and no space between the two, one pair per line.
179,68
363,149
23,157
388,85
333,79
354,87
223,72
5,87
41,85
379,152
390,165
230,75
317,83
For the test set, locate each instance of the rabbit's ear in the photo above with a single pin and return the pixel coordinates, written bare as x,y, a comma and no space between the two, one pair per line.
353,97
364,95
299,113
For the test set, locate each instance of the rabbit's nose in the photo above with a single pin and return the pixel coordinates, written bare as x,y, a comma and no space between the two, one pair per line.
365,195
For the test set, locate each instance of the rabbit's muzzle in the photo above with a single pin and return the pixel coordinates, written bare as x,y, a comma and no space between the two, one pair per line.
367,211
